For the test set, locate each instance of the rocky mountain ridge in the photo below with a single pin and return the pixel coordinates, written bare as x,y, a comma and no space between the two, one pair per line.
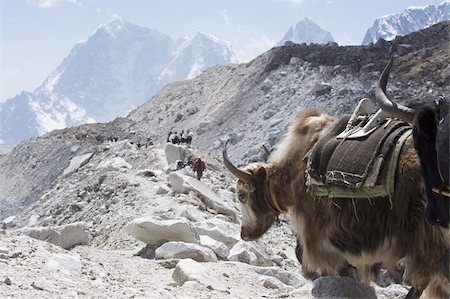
252,104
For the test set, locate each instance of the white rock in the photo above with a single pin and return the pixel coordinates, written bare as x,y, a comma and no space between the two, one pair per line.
190,270
275,122
116,163
191,213
219,230
219,248
176,152
9,221
152,231
210,198
177,182
74,148
250,253
185,250
216,144
286,277
77,162
229,198
393,291
242,255
65,263
162,190
33,221
65,236
271,283
4,250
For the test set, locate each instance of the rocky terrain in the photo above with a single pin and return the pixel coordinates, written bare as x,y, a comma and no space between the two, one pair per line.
101,210
147,230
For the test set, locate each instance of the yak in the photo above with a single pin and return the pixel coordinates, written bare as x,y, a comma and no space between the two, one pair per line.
431,140
338,233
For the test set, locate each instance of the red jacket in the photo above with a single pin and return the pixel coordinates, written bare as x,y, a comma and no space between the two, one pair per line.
196,166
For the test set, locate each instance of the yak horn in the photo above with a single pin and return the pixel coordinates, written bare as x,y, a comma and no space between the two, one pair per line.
244,176
391,108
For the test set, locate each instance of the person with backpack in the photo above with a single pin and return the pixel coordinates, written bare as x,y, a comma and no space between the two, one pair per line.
168,136
184,136
199,167
189,137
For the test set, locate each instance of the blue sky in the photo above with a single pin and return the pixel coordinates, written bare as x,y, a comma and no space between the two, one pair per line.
36,35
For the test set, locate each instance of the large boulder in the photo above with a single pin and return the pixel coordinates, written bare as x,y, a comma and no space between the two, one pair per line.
177,152
116,163
219,230
219,248
286,277
154,232
182,183
341,287
250,253
210,198
185,250
65,236
77,162
190,270
65,263
177,182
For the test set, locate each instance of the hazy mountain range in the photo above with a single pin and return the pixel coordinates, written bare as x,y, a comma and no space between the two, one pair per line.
121,65
118,68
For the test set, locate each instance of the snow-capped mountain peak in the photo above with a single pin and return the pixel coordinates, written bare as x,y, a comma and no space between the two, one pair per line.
306,31
118,68
412,19
193,54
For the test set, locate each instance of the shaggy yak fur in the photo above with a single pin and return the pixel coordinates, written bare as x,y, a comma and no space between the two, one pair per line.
335,233
431,140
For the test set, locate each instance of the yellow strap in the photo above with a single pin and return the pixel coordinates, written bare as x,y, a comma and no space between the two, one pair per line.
273,197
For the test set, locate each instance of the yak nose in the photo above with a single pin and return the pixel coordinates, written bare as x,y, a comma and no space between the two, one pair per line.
244,236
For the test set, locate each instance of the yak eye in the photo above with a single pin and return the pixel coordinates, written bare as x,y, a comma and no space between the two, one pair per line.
242,197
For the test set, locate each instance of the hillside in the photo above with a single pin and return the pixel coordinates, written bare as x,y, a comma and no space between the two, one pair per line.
253,103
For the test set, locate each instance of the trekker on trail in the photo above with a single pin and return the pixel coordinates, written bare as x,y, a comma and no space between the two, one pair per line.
168,135
189,137
199,167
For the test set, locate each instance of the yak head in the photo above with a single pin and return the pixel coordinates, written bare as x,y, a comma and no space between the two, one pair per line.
257,183
252,192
